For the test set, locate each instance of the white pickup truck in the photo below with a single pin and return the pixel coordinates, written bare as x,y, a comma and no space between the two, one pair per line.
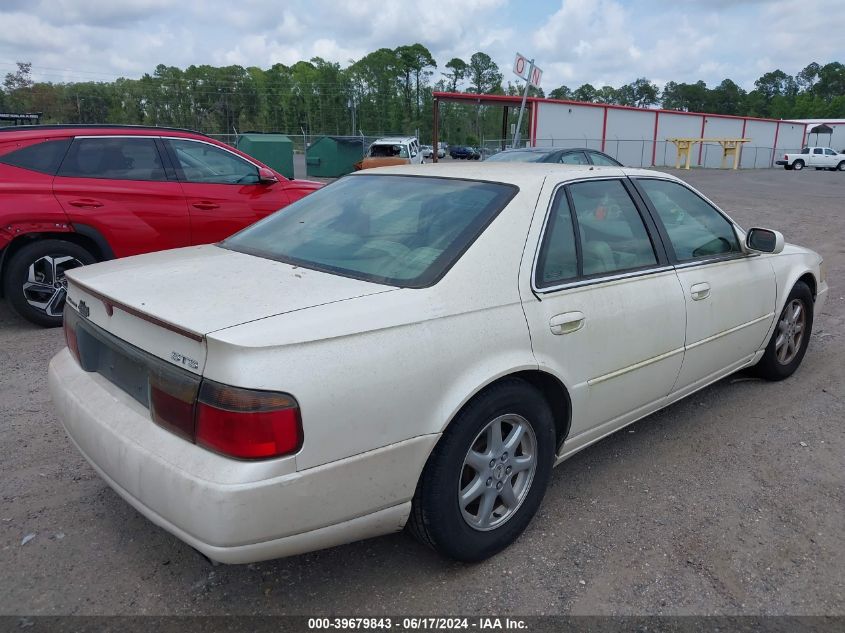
818,157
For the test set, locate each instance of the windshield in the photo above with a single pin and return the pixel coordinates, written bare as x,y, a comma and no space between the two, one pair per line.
398,230
518,157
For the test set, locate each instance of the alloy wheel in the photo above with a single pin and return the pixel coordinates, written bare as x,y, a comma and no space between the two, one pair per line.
791,325
45,287
497,472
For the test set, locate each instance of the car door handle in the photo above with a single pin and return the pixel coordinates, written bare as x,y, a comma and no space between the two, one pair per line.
206,206
566,323
699,291
85,202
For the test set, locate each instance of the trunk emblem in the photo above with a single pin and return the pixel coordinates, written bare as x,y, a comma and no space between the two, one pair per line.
84,310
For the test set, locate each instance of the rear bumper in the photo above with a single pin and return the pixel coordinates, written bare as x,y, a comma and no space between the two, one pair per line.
232,511
781,162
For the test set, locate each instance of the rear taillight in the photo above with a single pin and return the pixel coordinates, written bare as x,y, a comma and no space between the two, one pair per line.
173,394
785,157
70,333
245,423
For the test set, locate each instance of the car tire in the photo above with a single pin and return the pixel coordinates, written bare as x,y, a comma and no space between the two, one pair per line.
789,341
469,531
841,166
34,281
798,165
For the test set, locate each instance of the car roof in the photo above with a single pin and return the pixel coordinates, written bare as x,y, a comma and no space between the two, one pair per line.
29,131
395,139
549,150
512,173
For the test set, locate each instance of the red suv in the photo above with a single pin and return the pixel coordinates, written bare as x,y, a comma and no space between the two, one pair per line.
75,195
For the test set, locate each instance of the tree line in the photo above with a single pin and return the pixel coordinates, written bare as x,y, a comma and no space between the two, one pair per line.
386,91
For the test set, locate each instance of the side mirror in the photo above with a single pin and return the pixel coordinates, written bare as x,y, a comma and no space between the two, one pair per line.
764,241
266,176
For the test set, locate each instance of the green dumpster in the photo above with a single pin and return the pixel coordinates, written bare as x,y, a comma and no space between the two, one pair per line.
274,150
333,156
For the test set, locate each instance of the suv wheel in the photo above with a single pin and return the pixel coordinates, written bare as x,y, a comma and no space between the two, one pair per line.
34,280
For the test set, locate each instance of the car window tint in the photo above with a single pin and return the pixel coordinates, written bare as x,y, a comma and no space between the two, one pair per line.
817,150
574,158
558,260
613,235
43,156
516,156
829,152
601,159
113,158
806,150
695,228
206,163
398,230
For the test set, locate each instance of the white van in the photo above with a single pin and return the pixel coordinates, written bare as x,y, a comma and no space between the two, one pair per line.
407,147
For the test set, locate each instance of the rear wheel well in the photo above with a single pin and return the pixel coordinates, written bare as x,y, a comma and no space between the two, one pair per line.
556,396
28,238
554,393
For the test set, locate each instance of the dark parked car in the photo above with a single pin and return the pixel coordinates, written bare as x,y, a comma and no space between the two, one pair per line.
75,195
565,156
464,152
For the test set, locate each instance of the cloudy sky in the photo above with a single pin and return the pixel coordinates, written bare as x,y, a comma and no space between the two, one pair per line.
574,41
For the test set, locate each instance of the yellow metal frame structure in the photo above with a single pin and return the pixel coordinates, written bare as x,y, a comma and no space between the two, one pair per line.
730,147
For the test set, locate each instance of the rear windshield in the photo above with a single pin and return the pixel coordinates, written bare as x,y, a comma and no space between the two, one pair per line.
518,157
402,231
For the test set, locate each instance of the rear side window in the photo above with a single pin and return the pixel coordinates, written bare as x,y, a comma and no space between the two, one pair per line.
43,157
602,160
613,235
602,233
574,158
113,158
558,261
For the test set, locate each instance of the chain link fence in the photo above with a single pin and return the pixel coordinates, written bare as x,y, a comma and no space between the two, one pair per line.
301,142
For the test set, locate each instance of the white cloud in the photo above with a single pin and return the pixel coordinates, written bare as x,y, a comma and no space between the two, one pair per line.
574,41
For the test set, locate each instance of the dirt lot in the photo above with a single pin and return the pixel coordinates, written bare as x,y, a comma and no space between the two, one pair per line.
730,502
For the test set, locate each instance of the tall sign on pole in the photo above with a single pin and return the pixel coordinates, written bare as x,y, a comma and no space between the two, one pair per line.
525,69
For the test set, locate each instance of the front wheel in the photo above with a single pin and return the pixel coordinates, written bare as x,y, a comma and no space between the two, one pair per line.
487,475
34,281
789,341
841,166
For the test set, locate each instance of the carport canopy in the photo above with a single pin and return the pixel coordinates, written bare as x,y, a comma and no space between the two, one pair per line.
821,129
505,101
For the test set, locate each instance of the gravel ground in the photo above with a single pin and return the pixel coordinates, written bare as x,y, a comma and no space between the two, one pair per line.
731,502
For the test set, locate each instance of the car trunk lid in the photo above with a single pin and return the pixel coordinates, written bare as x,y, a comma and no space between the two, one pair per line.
166,302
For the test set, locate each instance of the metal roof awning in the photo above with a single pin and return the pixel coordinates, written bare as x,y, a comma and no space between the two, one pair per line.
822,128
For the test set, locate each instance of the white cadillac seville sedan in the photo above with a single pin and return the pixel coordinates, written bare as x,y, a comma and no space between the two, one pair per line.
414,345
